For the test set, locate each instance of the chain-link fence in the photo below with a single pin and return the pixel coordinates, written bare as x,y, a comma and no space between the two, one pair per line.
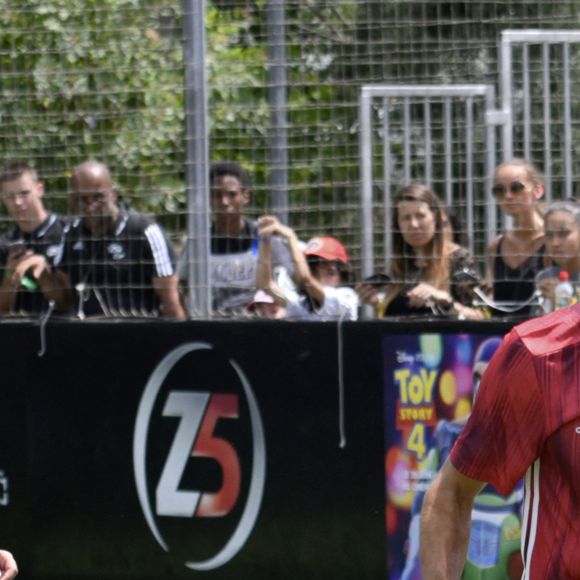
105,79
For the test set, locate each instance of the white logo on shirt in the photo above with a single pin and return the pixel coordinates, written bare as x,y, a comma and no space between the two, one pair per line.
116,251
233,270
53,251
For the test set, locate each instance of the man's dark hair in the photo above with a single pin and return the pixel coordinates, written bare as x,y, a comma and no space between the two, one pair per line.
233,168
15,169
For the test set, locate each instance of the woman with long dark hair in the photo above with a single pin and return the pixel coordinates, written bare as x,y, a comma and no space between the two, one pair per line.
424,262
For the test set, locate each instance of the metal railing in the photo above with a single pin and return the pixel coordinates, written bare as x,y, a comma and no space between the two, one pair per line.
419,128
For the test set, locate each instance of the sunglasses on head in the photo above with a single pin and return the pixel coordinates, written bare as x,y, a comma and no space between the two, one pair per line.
499,189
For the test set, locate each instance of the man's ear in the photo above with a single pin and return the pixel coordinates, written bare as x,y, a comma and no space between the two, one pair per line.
114,195
247,194
40,186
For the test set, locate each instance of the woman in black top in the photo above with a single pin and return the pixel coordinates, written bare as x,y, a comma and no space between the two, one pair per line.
517,255
424,262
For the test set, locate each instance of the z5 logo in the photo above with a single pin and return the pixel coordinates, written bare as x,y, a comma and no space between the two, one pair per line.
199,413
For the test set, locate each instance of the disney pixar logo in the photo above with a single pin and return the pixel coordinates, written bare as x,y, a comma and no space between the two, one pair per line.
203,452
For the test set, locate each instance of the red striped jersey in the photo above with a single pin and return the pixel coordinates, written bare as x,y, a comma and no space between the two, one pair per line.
526,421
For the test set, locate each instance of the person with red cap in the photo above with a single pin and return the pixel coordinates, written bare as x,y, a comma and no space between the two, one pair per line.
320,273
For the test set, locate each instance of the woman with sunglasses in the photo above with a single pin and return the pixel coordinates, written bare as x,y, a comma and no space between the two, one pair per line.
517,255
424,262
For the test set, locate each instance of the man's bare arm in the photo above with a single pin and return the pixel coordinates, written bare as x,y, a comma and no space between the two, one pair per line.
446,523
7,294
54,284
303,277
166,288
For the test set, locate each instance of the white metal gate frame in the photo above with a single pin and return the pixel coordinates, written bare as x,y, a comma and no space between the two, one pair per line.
406,92
545,38
494,117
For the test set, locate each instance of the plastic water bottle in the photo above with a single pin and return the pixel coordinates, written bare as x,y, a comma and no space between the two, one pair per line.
564,293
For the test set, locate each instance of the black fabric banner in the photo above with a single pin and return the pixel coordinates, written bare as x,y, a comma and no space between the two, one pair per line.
135,450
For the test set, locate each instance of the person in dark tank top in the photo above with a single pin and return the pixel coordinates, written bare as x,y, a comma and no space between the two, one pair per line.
518,254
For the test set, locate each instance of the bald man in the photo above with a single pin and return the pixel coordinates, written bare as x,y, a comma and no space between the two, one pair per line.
119,263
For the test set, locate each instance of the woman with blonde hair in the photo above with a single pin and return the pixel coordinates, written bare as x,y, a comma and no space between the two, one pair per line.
424,262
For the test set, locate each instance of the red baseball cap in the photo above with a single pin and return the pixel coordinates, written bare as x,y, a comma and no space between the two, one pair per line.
327,248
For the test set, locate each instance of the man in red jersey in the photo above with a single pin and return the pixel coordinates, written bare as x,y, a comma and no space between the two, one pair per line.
526,421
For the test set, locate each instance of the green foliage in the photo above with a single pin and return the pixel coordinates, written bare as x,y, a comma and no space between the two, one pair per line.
237,73
104,79
91,78
454,41
320,122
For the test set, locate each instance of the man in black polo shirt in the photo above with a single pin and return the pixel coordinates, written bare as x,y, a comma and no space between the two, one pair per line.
28,252
119,263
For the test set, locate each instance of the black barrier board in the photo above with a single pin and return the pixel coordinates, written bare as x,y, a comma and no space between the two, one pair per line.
195,450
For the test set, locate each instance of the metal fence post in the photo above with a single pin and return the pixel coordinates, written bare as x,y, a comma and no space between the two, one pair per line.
277,99
197,159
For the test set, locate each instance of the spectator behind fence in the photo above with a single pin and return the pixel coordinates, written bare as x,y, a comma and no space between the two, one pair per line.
234,242
562,225
264,305
28,252
320,272
119,263
517,255
425,263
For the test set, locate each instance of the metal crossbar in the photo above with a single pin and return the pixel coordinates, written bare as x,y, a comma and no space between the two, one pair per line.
553,68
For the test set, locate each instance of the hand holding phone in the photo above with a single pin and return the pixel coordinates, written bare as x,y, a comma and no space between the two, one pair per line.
16,252
16,248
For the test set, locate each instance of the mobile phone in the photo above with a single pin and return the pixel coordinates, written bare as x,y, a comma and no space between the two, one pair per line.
16,247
